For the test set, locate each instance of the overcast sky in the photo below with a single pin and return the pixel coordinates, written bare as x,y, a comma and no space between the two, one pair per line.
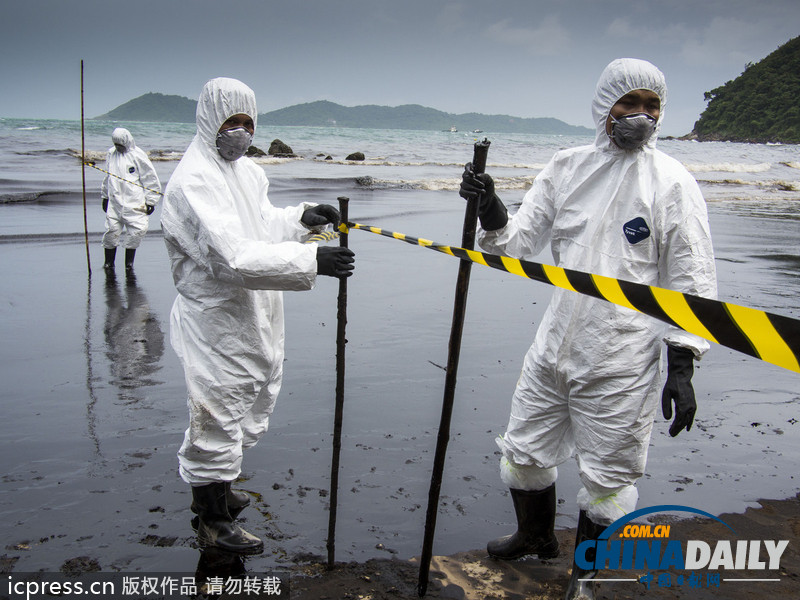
526,58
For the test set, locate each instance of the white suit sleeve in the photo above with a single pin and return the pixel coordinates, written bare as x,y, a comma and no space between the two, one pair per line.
216,241
527,231
686,256
104,185
148,178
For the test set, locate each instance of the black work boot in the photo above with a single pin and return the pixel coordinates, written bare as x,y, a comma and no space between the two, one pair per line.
111,254
584,590
215,526
536,516
130,254
237,501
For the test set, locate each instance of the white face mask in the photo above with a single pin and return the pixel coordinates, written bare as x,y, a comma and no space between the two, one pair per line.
233,143
633,131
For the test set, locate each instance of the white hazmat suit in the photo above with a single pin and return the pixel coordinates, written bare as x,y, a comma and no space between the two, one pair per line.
590,381
231,252
130,186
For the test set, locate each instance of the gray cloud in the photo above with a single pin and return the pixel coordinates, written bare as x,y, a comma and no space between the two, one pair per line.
528,58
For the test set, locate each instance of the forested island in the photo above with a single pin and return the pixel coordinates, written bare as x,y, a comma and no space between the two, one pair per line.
178,109
761,105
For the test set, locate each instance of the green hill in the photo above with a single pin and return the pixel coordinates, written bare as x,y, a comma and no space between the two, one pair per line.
761,105
177,109
410,116
154,107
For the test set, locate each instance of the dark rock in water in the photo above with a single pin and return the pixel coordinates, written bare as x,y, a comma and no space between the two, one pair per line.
329,157
254,151
364,180
355,156
281,150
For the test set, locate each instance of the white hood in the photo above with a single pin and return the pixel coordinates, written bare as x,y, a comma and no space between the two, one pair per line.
220,99
124,138
621,76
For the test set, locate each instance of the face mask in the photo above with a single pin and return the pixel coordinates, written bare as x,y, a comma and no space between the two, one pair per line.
120,148
233,143
632,131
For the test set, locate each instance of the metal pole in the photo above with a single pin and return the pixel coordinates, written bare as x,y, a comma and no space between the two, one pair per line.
453,354
341,324
83,177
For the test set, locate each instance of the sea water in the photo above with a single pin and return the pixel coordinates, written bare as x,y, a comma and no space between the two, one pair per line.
94,398
42,157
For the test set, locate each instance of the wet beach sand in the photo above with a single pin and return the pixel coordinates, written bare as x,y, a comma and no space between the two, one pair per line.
94,412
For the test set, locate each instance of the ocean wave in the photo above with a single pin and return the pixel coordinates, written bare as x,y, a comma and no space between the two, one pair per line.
50,152
727,167
439,184
791,164
274,160
774,184
170,155
164,155
25,197
92,156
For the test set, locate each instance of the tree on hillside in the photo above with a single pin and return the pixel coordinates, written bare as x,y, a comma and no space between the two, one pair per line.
761,105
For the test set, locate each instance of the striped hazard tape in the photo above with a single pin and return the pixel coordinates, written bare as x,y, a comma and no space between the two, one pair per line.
325,236
772,338
136,183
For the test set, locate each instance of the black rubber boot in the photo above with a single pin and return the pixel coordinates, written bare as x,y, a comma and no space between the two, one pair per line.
111,254
130,254
215,526
583,590
536,516
237,501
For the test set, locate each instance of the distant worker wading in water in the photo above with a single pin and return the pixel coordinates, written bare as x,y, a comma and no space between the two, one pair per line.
129,194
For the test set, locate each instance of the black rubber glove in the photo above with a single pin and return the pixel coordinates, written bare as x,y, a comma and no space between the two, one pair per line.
335,261
105,204
680,367
320,215
491,210
149,208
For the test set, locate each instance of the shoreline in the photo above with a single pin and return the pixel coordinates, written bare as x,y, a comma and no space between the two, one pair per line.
473,575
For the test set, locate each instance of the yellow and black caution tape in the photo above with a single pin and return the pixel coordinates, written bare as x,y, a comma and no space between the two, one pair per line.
136,183
325,236
772,338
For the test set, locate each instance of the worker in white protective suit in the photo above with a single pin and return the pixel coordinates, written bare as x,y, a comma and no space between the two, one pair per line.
129,194
589,383
232,254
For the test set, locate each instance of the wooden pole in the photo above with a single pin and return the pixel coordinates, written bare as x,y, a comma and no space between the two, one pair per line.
453,354
341,341
83,177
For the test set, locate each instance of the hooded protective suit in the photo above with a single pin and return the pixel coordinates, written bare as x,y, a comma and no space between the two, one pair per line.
590,381
127,201
231,253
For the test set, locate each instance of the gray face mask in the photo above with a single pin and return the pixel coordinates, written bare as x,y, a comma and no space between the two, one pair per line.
632,131
233,143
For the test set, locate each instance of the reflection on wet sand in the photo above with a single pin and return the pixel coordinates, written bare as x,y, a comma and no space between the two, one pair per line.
133,336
